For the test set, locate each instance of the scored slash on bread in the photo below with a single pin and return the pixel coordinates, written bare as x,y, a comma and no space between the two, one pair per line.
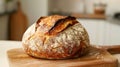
59,24
62,24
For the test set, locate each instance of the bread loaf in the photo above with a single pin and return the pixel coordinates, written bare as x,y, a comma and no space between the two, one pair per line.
56,37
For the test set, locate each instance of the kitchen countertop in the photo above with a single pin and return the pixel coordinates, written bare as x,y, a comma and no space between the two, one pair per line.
6,45
108,18
89,16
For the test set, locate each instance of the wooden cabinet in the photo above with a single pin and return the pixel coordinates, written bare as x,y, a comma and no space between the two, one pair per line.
102,32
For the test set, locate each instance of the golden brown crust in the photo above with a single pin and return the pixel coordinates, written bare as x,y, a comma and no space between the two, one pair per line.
62,24
56,37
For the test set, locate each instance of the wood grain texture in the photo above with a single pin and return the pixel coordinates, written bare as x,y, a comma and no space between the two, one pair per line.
94,58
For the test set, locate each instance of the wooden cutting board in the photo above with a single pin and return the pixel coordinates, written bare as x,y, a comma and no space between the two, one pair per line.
94,58
18,23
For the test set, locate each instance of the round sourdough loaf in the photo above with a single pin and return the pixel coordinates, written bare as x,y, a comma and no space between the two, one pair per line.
56,37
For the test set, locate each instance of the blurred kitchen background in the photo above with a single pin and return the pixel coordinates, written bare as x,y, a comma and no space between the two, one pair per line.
101,18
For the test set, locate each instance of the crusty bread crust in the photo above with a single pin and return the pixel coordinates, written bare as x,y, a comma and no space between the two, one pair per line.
56,37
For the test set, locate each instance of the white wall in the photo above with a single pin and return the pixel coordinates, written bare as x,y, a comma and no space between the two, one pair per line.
75,5
34,9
